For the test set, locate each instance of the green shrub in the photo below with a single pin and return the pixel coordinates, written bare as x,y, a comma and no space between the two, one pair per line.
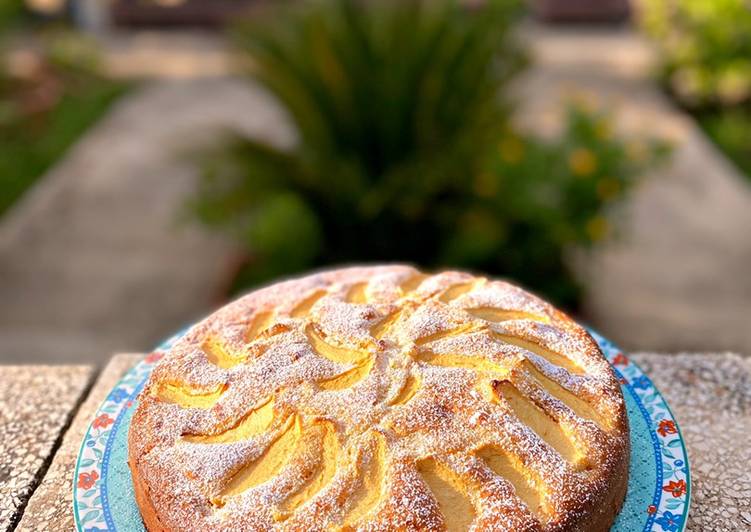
540,198
731,130
705,60
12,13
405,152
705,48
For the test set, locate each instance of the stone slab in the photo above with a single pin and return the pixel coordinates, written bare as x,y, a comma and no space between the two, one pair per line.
710,395
36,404
176,54
51,506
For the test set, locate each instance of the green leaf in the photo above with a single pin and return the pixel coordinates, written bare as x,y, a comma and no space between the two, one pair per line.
90,516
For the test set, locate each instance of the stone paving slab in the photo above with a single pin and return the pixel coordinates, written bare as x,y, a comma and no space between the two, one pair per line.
95,259
710,395
176,54
36,403
677,277
51,506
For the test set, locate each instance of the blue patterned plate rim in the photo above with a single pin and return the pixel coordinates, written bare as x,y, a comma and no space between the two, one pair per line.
102,455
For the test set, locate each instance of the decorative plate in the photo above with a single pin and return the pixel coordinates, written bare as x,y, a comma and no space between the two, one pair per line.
659,484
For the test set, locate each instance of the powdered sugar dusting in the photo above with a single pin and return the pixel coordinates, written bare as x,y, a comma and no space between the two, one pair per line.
449,416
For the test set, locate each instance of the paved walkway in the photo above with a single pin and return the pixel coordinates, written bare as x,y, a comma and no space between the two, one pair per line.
176,54
95,259
680,275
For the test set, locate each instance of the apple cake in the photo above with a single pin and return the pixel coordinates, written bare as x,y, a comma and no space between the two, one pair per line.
382,398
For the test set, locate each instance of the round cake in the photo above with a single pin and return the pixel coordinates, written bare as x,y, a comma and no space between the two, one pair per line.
382,398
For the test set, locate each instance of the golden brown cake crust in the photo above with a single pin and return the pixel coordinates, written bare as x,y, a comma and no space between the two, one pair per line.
381,398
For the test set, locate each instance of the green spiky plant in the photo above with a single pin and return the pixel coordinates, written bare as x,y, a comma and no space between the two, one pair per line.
394,103
399,107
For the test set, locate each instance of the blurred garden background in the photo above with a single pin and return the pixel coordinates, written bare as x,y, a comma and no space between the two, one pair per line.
160,157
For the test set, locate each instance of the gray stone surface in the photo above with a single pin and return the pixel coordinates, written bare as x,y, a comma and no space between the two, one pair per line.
174,54
51,506
36,403
709,394
678,277
95,258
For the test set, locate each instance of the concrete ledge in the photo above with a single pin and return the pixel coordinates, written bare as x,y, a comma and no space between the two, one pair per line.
51,506
36,404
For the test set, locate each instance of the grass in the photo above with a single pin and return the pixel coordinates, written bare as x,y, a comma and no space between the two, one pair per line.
36,143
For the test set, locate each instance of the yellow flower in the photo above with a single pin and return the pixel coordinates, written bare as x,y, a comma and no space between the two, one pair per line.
597,228
582,101
637,151
512,150
608,188
582,162
485,185
733,85
603,129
